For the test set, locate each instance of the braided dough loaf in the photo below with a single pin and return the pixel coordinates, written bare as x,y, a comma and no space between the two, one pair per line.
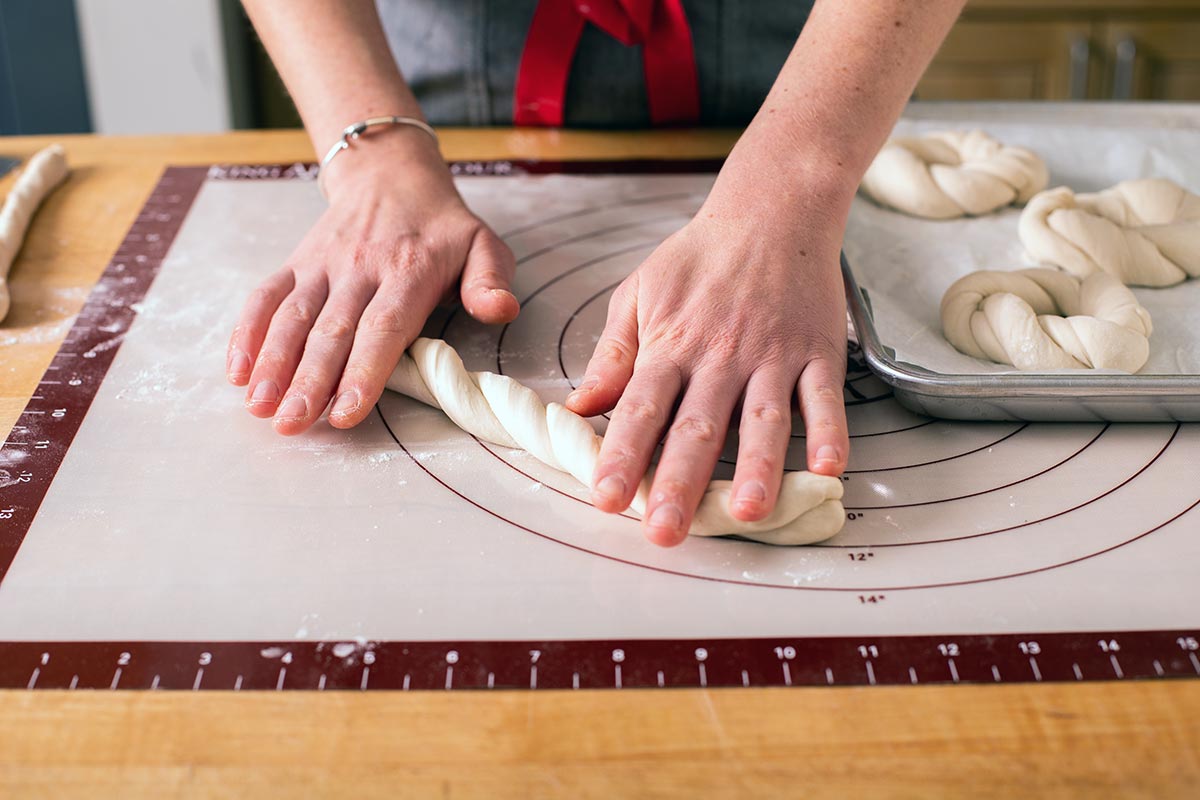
953,173
45,171
1043,319
500,410
1144,232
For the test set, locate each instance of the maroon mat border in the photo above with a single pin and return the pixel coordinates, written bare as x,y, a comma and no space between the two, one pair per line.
594,664
624,166
47,426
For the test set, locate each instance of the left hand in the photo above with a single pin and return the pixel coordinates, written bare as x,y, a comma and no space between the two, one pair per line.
742,304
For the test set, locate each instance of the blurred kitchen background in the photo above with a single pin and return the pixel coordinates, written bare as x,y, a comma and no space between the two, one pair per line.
173,66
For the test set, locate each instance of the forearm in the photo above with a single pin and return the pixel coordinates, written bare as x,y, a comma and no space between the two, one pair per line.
840,92
334,59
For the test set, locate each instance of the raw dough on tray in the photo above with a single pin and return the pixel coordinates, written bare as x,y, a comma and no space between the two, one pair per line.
1044,319
1144,232
952,174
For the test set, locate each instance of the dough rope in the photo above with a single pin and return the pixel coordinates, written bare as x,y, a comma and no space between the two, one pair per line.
500,410
952,174
1144,232
1044,319
41,175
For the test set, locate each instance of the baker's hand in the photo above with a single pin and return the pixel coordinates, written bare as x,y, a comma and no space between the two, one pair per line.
333,322
741,305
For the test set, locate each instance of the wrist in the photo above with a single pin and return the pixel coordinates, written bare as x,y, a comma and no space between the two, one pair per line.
379,158
782,179
788,156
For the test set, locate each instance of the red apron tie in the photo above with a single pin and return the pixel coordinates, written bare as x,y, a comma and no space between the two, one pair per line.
659,26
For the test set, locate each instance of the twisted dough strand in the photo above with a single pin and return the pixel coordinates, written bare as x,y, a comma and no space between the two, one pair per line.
1043,319
500,410
1145,232
41,175
953,173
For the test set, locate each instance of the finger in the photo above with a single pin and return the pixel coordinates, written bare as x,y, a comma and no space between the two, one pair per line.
486,278
633,434
611,366
251,329
325,354
390,323
824,414
764,434
693,445
282,348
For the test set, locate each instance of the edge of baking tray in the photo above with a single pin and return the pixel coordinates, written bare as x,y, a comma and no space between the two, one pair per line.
1030,397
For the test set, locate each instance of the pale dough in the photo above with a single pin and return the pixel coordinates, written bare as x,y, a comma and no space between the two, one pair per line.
41,175
1144,232
500,410
1044,319
952,174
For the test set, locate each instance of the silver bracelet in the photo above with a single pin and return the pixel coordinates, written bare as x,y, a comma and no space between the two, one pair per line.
352,132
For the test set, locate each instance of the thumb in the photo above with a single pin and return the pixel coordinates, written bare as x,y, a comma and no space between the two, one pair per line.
485,279
611,366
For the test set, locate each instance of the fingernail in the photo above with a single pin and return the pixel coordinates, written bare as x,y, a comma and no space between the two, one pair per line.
751,492
502,292
264,392
239,363
585,386
346,403
827,452
295,407
666,517
611,487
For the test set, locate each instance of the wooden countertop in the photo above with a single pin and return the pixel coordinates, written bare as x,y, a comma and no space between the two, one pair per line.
1044,740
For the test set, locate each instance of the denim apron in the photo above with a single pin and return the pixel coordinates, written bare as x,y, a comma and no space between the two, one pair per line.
461,59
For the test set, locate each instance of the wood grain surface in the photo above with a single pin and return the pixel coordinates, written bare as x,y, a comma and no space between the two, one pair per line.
1119,739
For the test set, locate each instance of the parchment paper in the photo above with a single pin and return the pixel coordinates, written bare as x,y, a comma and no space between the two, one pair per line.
906,264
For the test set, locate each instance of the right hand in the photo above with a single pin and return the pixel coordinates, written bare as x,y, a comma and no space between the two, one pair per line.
332,323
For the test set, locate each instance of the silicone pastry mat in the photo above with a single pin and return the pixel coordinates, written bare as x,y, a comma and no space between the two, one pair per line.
154,535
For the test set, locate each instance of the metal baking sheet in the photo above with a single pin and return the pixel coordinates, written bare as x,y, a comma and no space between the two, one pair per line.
1075,397
897,267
